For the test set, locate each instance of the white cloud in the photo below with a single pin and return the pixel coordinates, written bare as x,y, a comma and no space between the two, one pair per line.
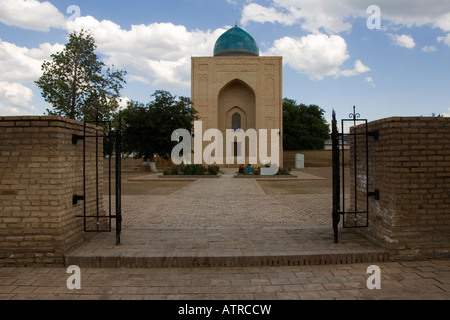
134,78
444,22
428,49
370,81
359,69
123,102
31,14
317,55
158,53
403,40
20,64
159,50
447,114
434,13
312,15
257,13
333,16
15,99
445,40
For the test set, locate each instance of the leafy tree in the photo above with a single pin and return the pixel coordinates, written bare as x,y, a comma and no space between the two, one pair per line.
305,127
77,84
147,129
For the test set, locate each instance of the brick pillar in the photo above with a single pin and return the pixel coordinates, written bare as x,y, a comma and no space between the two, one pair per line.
410,165
40,171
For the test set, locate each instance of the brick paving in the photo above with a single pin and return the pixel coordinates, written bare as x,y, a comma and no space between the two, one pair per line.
232,221
415,280
225,222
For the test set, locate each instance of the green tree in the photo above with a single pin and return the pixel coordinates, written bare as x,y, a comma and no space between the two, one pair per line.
147,129
305,127
77,84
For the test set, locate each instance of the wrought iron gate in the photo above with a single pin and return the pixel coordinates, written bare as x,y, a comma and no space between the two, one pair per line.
356,213
101,219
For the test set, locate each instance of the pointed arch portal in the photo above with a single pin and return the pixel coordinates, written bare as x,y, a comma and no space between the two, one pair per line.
237,109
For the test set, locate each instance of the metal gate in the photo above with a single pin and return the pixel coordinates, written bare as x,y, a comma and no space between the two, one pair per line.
100,219
354,211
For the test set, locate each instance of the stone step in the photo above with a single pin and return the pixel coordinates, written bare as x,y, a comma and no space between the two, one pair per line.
146,248
143,261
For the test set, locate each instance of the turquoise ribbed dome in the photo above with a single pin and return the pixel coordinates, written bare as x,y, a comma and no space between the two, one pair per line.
236,42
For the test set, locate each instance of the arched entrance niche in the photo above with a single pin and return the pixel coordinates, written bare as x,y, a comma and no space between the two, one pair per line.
236,118
237,97
237,105
236,121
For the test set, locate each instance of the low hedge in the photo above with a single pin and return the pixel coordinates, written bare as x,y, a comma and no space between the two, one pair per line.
192,170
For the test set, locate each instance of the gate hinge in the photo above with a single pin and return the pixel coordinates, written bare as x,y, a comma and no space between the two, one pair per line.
375,134
76,137
77,198
375,194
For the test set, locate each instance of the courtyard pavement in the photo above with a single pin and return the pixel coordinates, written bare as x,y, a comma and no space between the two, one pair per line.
220,221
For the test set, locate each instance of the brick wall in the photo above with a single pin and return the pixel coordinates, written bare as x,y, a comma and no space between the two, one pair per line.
40,171
313,158
410,165
136,164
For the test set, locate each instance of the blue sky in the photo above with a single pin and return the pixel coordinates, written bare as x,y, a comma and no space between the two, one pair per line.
331,57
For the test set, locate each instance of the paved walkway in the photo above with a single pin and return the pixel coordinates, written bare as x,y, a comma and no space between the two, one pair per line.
227,219
421,280
224,222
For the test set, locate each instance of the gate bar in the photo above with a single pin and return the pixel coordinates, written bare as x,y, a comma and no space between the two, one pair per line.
336,179
119,181
337,212
76,198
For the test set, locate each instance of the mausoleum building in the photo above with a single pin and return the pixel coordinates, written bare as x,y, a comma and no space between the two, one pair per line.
239,89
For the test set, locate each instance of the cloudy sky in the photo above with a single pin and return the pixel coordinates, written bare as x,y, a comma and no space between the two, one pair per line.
386,57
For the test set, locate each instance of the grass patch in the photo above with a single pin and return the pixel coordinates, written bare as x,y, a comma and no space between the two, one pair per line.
160,188
143,188
295,187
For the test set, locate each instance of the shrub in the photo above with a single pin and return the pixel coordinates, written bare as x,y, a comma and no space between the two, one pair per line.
213,170
199,170
173,171
194,170
284,172
187,170
266,164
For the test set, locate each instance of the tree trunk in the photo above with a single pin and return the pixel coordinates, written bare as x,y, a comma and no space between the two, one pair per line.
74,92
149,164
